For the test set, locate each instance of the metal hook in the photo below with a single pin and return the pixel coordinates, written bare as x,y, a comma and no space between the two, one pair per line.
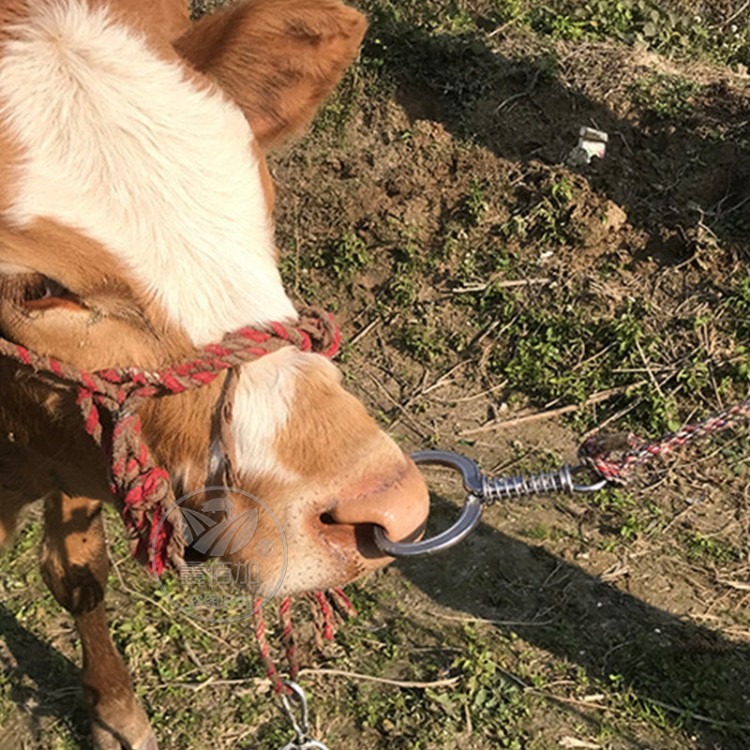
301,728
481,490
472,511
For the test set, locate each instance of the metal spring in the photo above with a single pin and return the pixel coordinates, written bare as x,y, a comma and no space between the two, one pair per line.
502,488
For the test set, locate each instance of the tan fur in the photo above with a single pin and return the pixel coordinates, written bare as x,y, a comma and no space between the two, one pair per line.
297,51
74,565
169,18
277,59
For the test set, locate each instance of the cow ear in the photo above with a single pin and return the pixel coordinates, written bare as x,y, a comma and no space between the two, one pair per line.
277,59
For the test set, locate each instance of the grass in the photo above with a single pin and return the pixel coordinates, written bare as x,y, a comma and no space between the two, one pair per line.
668,97
345,257
669,30
431,206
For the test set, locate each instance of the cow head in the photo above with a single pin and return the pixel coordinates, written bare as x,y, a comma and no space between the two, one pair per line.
135,225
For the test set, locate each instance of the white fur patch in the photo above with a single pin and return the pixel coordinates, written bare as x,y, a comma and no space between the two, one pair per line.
262,405
121,147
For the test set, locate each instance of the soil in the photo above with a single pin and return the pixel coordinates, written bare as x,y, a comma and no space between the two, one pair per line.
643,609
619,621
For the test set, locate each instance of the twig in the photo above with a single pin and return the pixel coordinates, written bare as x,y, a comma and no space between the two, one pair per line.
523,94
503,27
615,417
262,682
647,365
527,688
438,383
696,717
169,613
361,334
498,424
474,397
677,517
626,410
739,585
409,420
737,206
625,142
483,334
509,284
447,682
593,357
737,13
259,682
505,623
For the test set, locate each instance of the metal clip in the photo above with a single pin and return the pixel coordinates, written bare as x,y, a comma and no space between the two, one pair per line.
301,728
481,490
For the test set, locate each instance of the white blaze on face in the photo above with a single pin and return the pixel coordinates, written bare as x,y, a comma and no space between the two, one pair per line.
265,393
262,406
120,146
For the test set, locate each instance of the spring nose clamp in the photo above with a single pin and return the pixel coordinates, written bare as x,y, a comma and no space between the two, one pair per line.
481,490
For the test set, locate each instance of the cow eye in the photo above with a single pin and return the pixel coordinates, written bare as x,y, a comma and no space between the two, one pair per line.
44,293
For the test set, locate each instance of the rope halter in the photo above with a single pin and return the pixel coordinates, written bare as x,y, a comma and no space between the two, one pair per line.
108,400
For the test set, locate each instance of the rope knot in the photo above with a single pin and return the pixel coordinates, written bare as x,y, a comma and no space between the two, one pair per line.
107,400
608,454
321,329
614,456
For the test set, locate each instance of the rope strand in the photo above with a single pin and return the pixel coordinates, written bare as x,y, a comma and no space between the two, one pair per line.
323,617
287,637
108,400
615,465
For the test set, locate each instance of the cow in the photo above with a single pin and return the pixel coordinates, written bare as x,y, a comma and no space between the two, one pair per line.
136,226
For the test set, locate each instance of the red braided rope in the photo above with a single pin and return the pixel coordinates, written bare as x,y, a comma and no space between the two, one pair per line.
108,400
343,602
324,619
287,636
265,650
329,626
614,466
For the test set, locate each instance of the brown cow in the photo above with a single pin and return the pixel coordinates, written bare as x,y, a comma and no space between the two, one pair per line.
135,225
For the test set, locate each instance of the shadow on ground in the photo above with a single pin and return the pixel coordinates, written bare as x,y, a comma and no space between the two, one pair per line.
615,637
685,164
43,681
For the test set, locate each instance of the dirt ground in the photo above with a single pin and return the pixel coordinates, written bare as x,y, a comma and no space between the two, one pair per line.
499,302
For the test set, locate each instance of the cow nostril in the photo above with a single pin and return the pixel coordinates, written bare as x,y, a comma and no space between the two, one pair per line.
396,500
328,519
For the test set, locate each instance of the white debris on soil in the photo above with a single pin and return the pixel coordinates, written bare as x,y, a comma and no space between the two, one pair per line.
591,143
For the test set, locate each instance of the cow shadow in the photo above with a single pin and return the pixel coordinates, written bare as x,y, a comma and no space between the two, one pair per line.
674,172
667,663
617,639
684,164
43,683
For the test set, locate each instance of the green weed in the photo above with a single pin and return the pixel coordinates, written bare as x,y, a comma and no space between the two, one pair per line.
669,97
704,548
422,341
344,257
646,22
562,356
538,532
475,204
543,213
507,10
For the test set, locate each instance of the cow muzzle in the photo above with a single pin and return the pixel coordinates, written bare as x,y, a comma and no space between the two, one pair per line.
396,501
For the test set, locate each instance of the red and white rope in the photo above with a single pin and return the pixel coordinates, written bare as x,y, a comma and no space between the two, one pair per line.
108,399
615,466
